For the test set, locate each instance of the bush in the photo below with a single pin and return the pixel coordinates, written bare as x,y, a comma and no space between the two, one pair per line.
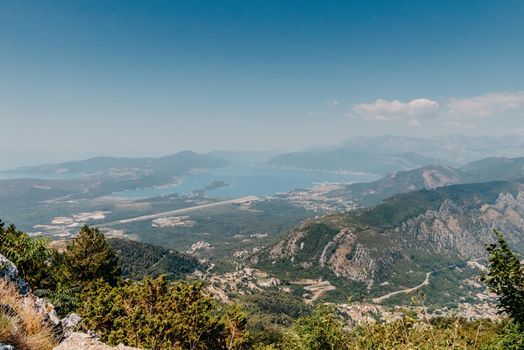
155,314
323,330
506,279
30,255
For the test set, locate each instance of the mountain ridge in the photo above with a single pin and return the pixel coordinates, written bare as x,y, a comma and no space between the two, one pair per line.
374,249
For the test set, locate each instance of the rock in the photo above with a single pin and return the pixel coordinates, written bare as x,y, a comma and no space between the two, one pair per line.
70,324
23,287
8,270
48,310
77,341
6,347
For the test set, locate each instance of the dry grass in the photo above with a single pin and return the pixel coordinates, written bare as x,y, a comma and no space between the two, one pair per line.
20,323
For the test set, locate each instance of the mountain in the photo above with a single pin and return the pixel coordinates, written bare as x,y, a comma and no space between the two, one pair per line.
174,164
455,149
388,154
141,259
437,234
352,160
431,177
373,193
103,175
245,156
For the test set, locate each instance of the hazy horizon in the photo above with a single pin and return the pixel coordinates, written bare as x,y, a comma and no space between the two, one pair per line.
94,78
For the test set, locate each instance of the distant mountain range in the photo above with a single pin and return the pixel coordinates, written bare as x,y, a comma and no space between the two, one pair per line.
381,155
388,154
455,150
174,164
352,161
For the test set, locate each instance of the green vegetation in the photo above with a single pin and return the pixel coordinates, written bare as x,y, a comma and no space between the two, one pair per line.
138,260
29,255
90,257
156,313
506,279
325,330
271,313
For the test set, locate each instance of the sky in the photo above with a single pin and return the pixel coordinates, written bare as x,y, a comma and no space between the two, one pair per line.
136,78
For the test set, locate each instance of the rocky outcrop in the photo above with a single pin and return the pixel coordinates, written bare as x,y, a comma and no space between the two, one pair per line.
8,270
358,250
458,230
77,341
62,328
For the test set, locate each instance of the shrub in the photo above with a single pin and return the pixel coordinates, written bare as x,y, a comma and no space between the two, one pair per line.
506,279
323,330
30,255
155,314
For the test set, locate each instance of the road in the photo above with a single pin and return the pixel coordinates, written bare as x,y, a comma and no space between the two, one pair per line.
179,211
407,291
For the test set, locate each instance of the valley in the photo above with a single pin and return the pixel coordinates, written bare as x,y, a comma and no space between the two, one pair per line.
379,243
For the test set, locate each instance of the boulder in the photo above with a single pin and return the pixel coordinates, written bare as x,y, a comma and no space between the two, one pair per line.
84,341
69,324
8,270
6,347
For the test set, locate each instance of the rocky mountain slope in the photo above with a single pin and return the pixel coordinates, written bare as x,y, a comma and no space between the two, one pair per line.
440,233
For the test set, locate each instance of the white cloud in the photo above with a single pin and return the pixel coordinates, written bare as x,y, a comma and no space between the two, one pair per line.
484,105
396,110
333,104
414,123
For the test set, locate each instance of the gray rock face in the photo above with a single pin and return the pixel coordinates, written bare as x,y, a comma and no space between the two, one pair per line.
6,347
8,270
70,324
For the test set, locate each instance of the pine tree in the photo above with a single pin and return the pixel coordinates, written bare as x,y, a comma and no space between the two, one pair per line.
89,258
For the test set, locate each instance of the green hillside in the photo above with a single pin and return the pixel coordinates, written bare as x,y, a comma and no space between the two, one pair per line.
139,259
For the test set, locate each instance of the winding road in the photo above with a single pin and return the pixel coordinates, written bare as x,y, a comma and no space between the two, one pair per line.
403,291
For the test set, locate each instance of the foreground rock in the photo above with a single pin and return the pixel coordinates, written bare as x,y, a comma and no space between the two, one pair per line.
8,270
77,341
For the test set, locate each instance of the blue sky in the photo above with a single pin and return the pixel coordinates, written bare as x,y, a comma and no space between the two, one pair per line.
85,78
